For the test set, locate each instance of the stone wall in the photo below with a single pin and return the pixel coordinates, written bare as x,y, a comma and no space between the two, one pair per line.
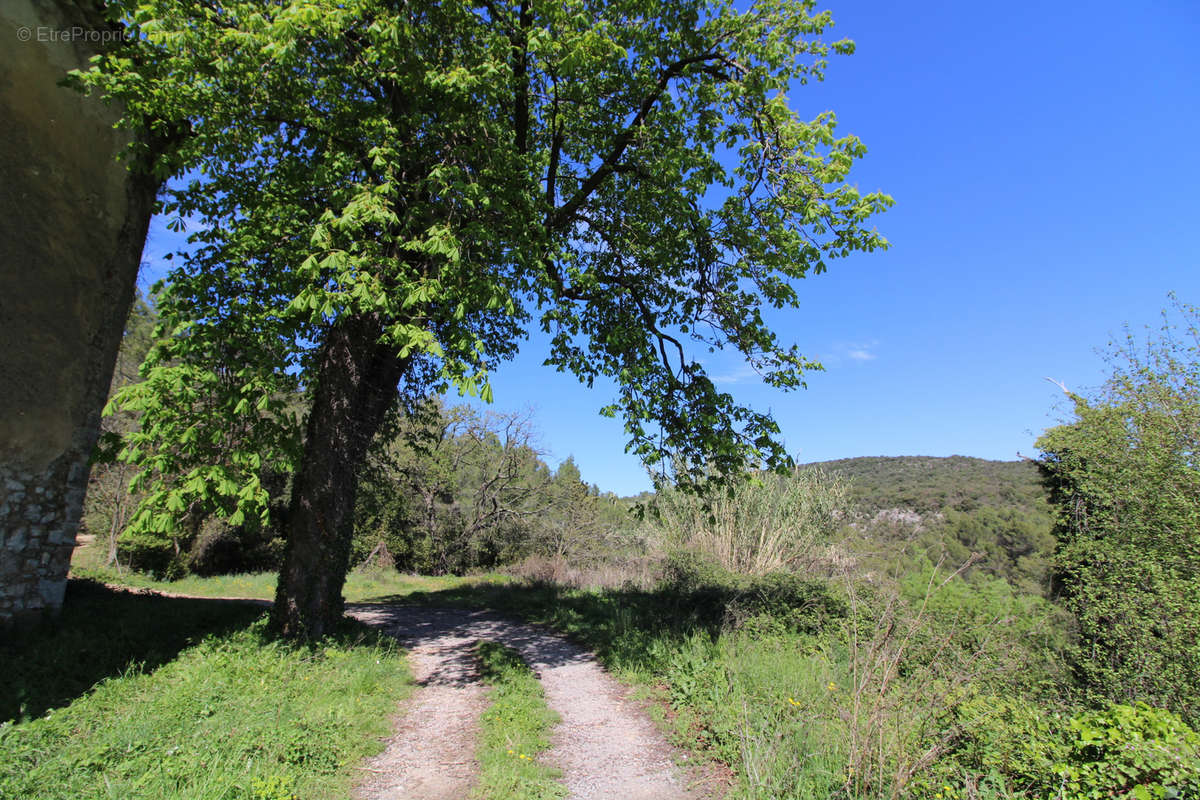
72,225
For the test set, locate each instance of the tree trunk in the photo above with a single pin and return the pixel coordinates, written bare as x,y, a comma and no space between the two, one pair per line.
355,388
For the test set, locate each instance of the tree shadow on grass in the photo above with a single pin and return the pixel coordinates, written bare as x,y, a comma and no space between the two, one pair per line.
625,628
638,629
101,633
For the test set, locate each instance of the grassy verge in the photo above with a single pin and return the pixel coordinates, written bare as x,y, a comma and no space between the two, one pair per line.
361,585
807,689
104,633
218,710
515,729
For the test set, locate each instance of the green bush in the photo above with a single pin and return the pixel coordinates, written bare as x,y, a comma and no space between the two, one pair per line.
801,604
1135,751
1124,477
687,571
1022,750
152,553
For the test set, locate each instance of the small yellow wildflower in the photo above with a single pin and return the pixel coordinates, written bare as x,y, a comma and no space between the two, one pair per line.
832,686
793,702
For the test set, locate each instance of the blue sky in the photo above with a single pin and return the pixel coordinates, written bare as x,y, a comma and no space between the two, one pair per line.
1046,173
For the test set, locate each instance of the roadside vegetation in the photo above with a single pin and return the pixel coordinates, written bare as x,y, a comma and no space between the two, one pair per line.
361,585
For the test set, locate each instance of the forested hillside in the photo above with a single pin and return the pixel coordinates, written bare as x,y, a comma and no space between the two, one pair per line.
907,509
929,485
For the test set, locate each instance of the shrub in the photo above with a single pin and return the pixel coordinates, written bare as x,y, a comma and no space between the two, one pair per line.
801,604
1135,751
147,552
687,571
222,549
1124,477
1129,751
777,601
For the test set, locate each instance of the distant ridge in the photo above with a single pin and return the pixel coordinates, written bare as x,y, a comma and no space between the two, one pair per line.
932,484
953,506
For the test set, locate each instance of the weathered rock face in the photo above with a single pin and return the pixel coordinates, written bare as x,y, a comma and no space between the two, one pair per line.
72,225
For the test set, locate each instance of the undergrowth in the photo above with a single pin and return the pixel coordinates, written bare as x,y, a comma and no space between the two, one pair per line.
933,687
515,729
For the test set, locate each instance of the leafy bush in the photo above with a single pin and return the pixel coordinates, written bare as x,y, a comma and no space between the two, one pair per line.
1138,751
148,552
222,549
1124,476
1022,636
687,572
1132,751
705,590
801,604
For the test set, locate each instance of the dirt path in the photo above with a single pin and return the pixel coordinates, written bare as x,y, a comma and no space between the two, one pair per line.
605,746
431,752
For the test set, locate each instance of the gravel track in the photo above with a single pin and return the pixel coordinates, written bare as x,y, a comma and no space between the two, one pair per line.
605,745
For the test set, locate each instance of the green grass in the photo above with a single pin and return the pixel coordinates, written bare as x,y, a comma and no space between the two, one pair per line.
770,697
103,633
514,730
236,715
361,585
257,585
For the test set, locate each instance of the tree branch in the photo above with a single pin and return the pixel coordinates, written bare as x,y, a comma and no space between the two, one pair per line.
563,215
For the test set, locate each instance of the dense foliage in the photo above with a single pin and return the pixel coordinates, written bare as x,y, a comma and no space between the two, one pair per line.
1127,487
455,489
929,485
445,491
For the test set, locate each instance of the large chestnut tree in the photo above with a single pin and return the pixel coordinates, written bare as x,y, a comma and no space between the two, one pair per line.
386,195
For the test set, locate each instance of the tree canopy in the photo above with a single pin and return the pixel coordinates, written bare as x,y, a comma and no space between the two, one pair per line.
388,195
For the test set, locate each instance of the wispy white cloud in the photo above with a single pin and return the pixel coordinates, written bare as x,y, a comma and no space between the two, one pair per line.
860,351
736,375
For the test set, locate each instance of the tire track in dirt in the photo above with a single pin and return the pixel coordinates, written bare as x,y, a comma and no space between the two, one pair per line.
605,745
430,755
